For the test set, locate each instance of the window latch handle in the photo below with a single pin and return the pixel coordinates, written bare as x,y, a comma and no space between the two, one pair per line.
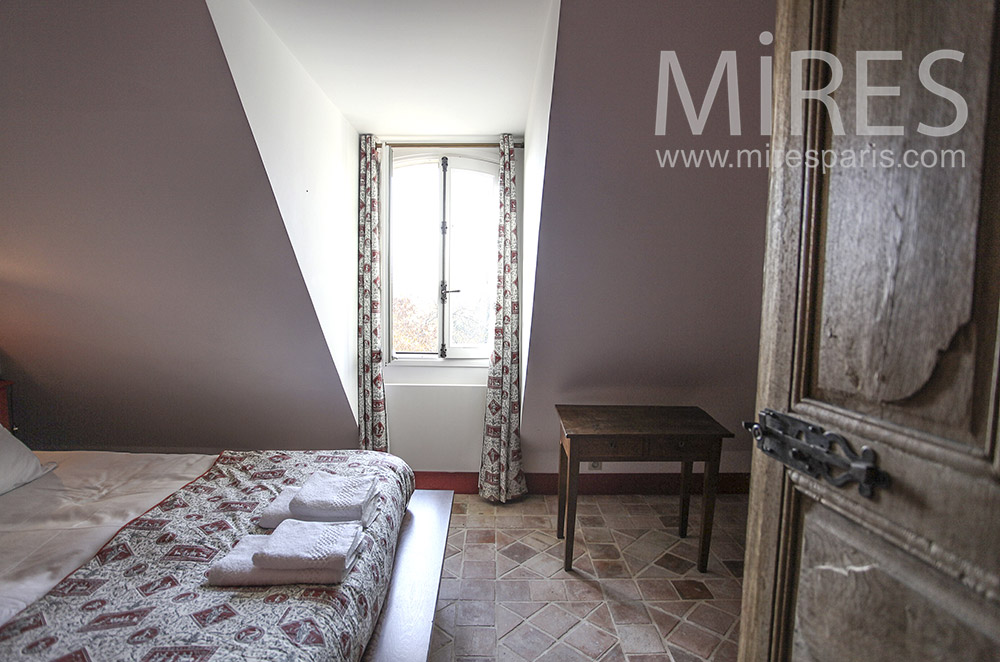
445,291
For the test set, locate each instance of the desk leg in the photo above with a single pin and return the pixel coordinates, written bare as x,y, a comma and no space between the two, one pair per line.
708,511
561,489
685,498
572,475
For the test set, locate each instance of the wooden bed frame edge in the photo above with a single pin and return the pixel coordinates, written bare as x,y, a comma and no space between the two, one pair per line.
403,630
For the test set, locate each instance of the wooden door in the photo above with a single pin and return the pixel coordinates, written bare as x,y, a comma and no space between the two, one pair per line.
880,324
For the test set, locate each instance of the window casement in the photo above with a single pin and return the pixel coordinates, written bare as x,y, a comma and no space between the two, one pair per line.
442,253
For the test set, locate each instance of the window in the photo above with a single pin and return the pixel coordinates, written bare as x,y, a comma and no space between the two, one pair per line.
442,253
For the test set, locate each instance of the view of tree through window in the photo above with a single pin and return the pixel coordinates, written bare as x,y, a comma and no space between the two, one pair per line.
473,227
415,252
464,196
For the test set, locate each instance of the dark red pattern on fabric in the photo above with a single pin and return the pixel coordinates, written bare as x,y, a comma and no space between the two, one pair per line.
501,477
70,586
122,619
372,419
161,584
21,625
144,598
76,656
195,553
303,633
213,615
180,654
40,645
112,553
148,524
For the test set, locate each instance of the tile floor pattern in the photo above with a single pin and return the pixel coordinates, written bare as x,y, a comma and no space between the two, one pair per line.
634,594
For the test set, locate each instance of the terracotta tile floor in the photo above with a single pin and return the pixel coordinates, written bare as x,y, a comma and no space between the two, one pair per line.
634,593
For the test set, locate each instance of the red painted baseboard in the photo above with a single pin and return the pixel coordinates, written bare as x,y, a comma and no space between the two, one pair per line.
538,483
459,482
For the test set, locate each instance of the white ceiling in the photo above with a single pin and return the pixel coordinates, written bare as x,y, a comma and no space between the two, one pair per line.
418,68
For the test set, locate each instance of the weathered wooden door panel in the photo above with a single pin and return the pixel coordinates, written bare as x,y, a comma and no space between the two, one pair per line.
880,323
897,257
858,599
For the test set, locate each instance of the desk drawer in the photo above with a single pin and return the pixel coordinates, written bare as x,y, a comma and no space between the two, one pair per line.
605,448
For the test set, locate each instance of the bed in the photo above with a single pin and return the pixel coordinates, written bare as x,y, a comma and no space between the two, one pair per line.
142,594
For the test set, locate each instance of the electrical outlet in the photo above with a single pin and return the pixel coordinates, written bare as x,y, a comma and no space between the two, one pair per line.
596,466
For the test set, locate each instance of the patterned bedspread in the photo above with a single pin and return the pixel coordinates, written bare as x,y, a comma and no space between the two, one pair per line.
144,596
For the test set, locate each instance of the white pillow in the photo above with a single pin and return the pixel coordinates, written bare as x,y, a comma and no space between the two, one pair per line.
18,465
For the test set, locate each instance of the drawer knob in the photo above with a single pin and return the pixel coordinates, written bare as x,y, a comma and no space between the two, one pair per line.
681,444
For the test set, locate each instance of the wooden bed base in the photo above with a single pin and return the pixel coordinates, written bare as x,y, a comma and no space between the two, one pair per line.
403,630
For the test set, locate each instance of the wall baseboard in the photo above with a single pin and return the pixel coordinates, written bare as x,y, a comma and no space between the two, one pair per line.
467,482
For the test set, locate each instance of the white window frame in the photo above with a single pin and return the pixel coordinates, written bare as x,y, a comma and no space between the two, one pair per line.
480,159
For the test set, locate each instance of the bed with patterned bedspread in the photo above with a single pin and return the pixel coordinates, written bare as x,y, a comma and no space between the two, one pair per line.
144,595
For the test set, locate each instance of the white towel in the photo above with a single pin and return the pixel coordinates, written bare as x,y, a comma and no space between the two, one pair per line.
237,569
304,545
330,498
279,510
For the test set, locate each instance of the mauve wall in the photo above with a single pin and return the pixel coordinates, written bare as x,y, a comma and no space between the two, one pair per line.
648,279
149,296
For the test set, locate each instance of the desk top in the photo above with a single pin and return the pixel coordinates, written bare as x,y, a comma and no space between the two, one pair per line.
624,420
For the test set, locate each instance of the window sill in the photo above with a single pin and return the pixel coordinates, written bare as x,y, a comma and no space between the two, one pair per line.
436,371
436,362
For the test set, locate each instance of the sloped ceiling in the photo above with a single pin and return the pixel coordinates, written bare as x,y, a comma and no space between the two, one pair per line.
150,296
427,68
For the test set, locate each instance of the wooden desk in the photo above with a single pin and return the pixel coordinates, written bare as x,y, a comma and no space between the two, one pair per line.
614,433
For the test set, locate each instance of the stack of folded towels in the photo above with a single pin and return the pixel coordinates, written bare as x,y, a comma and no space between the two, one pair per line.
324,498
317,529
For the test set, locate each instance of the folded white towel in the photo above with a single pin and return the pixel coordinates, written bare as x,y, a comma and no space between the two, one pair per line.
279,510
330,498
303,545
237,569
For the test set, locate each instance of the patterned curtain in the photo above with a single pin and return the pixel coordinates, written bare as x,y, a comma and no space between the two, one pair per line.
373,432
501,477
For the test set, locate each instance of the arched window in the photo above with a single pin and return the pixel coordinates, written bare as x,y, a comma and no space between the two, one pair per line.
442,253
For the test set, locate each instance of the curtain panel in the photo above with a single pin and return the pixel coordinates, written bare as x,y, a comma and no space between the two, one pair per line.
501,477
373,429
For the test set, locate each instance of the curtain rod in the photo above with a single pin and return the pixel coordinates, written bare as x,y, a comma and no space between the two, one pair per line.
450,145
